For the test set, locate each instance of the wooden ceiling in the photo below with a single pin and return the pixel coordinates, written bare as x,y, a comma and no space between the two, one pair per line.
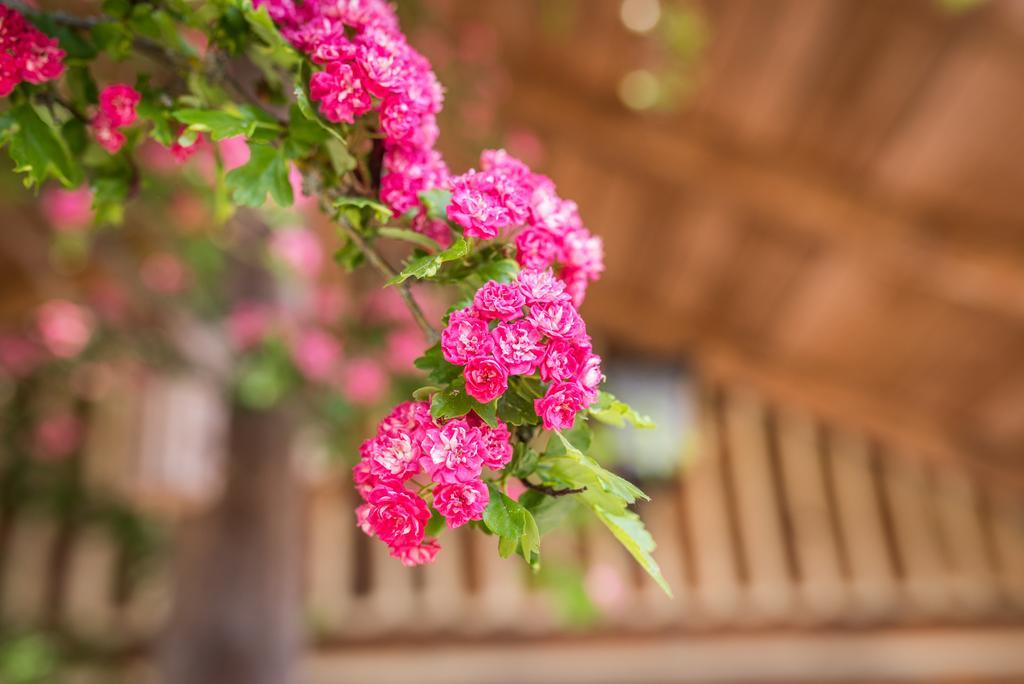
835,216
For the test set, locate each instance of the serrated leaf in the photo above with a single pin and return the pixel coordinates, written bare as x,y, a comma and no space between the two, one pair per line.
38,151
436,200
629,529
306,108
265,172
375,208
222,123
428,266
503,516
549,512
575,469
439,370
611,411
502,270
516,409
304,136
455,402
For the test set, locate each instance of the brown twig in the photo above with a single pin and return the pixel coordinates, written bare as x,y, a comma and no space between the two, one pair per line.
551,491
377,261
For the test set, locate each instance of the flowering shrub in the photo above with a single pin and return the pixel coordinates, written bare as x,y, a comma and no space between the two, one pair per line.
327,102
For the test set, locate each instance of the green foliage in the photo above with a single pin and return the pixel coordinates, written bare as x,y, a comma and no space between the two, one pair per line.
266,171
37,150
515,407
631,533
418,239
428,265
252,122
439,371
28,659
454,402
611,411
515,525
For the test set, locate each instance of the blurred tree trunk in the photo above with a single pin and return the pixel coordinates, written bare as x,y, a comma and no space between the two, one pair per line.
236,615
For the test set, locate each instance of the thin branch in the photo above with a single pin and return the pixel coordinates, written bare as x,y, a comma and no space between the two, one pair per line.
551,491
386,270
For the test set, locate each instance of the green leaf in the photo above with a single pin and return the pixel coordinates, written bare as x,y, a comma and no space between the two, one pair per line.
306,108
349,256
549,512
38,151
611,411
524,460
109,193
435,524
304,136
436,200
410,236
266,171
575,469
503,516
374,208
629,529
222,123
428,266
515,406
502,270
439,371
425,392
454,402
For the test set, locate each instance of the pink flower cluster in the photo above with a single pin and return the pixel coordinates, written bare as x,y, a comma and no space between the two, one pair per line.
521,328
117,110
26,53
507,195
452,454
370,67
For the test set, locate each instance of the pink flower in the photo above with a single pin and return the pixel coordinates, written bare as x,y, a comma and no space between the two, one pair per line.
396,516
26,54
503,301
299,248
517,345
410,417
118,103
364,382
453,453
584,252
536,249
340,93
541,286
181,153
497,445
66,328
67,210
465,337
475,210
559,320
363,476
563,361
58,436
248,325
109,138
591,377
461,502
363,517
486,379
404,346
393,456
316,354
558,408
417,554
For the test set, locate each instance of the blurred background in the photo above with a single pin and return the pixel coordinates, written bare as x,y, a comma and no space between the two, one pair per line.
812,219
